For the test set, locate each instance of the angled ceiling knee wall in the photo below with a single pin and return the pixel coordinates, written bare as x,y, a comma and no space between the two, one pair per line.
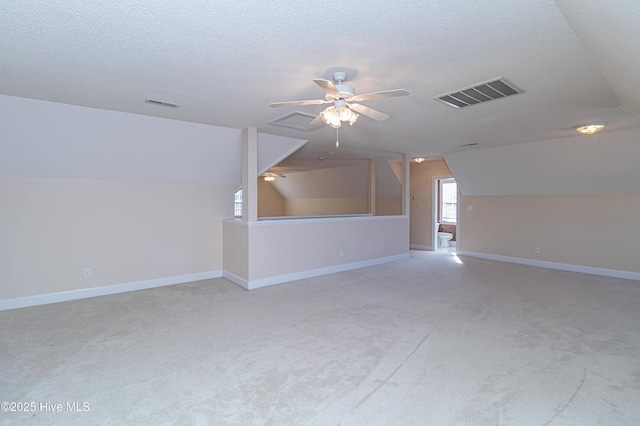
605,163
49,139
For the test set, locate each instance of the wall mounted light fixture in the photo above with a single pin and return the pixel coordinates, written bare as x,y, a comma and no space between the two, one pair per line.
590,128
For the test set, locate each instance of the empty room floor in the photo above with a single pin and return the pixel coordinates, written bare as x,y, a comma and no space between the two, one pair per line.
434,339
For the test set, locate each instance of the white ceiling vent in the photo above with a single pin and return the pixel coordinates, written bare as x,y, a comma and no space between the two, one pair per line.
297,120
478,93
161,103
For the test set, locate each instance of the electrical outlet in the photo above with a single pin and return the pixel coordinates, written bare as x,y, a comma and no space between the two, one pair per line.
341,253
537,250
87,273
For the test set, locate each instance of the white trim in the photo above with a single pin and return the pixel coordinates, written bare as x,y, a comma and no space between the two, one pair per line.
279,279
65,296
326,216
434,210
420,247
554,265
236,279
295,220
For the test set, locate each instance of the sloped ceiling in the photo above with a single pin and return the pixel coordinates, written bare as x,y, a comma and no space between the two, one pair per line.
47,139
609,31
388,179
350,181
598,164
225,62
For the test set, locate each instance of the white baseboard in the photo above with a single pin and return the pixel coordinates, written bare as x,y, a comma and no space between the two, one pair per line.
236,279
279,279
65,296
420,247
553,265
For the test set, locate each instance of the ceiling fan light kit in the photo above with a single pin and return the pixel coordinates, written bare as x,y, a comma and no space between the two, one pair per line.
335,117
341,95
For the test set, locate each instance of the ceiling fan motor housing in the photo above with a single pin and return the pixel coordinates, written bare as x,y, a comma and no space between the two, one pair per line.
345,90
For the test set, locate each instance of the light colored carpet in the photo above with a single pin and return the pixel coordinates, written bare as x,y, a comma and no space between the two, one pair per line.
422,341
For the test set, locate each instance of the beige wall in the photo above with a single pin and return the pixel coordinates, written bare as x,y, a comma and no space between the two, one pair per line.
307,244
388,206
124,231
270,202
273,251
601,231
235,237
422,205
325,206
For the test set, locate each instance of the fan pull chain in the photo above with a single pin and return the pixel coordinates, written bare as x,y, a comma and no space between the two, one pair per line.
337,134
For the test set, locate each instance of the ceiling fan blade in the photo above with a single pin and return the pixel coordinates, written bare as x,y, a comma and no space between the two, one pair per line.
328,87
369,112
316,120
297,103
379,95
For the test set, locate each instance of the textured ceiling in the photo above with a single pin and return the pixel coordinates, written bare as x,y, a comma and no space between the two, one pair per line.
225,62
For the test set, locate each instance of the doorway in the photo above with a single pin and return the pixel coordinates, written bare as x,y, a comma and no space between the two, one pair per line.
445,212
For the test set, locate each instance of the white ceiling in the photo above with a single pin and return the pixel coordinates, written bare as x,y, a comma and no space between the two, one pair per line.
225,62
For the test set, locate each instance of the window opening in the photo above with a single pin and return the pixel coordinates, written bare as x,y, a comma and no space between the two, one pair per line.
448,201
238,203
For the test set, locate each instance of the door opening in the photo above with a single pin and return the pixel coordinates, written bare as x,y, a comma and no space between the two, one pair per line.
445,235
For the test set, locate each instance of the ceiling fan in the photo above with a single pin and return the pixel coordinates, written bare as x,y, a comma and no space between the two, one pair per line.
342,97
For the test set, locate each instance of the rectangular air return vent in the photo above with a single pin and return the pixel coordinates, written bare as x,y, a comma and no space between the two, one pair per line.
297,120
161,103
478,93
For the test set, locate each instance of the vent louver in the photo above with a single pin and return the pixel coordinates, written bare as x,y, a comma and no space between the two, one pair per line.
478,93
161,103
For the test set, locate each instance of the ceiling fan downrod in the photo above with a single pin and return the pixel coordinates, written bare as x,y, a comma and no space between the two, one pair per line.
339,76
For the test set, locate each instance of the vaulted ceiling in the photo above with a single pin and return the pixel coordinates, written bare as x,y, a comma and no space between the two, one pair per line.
575,61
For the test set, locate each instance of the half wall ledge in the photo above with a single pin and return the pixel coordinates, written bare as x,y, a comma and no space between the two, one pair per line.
262,253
